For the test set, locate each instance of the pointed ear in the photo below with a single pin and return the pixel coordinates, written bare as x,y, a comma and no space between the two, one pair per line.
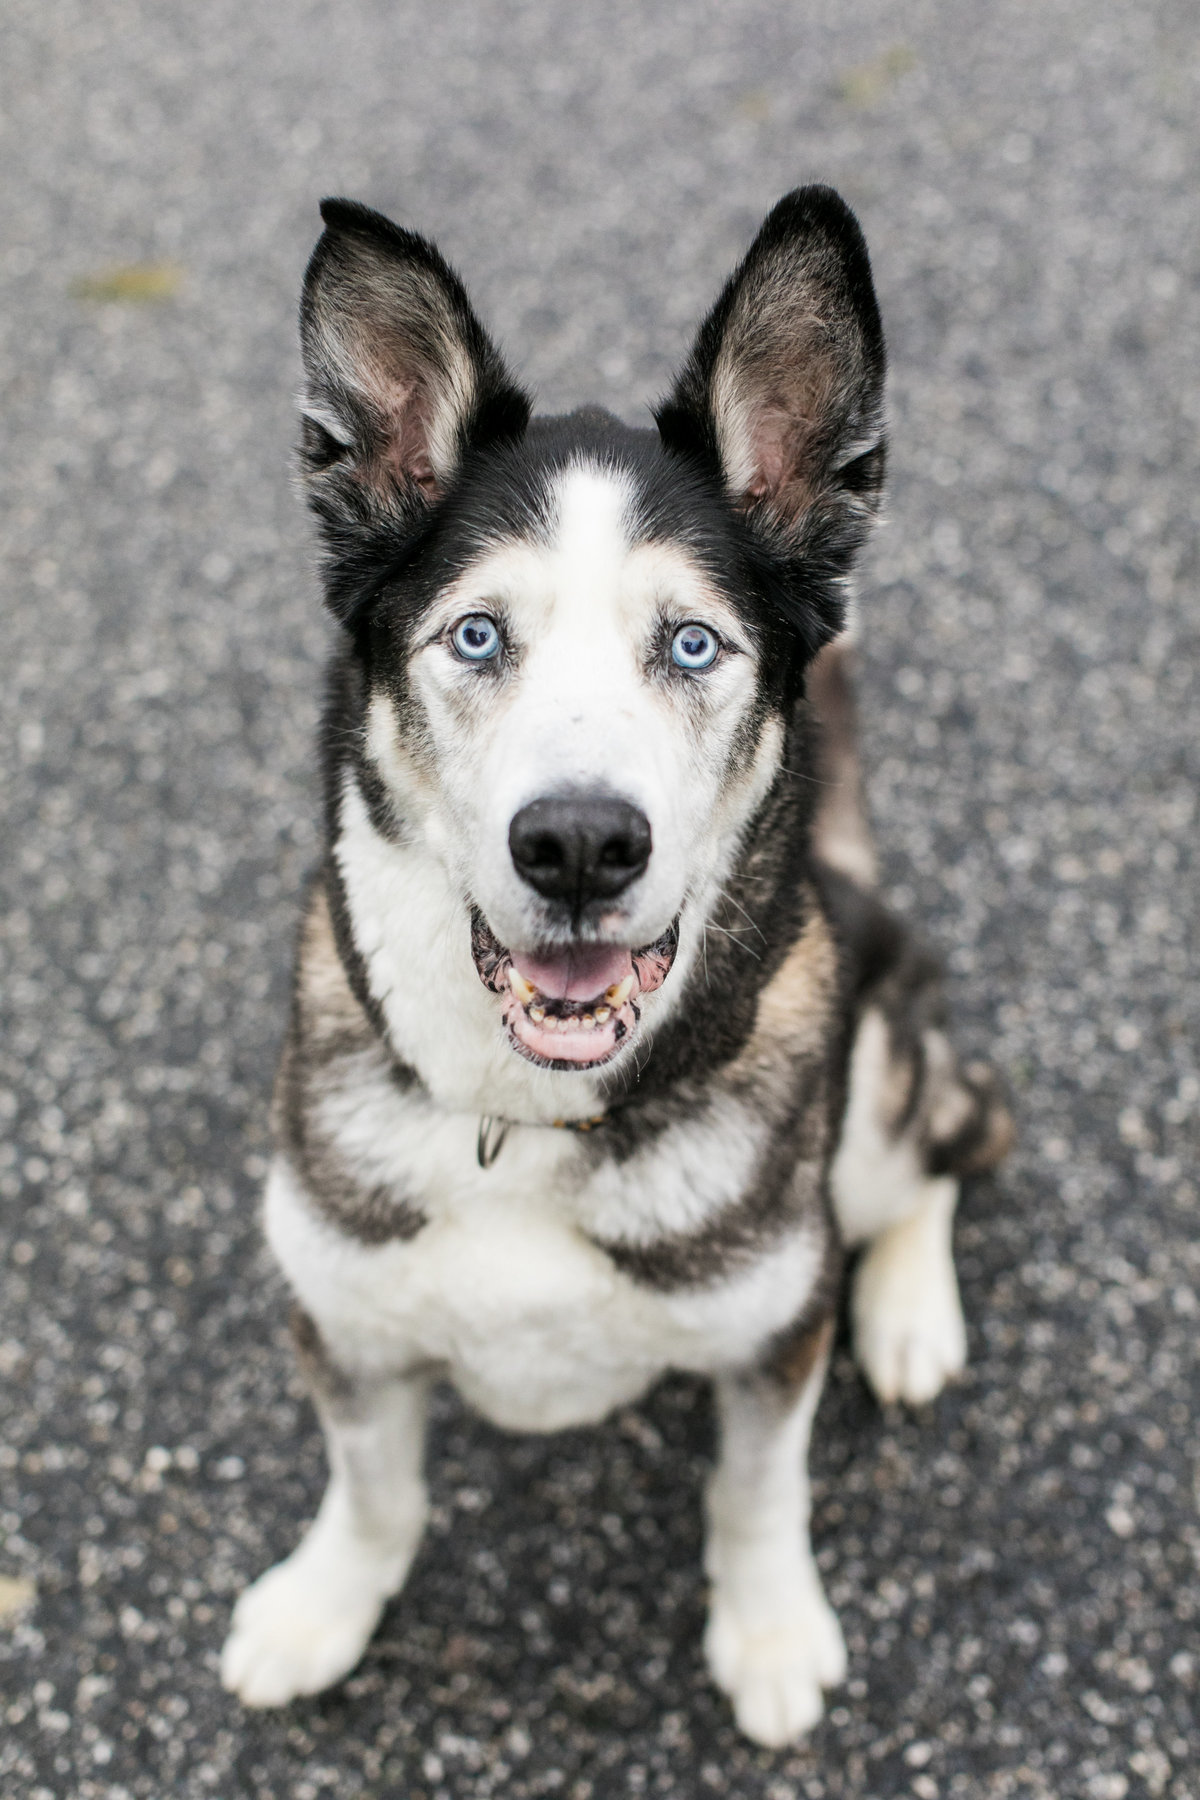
783,390
401,378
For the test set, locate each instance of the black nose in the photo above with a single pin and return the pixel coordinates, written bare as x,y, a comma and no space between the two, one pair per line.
581,847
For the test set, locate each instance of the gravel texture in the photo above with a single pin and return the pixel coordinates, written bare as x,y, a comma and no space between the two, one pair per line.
1018,1569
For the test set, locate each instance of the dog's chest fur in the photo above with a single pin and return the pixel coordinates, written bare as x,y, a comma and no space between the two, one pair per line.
532,1321
560,1280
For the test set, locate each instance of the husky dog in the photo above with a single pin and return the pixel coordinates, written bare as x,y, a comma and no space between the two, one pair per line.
602,1050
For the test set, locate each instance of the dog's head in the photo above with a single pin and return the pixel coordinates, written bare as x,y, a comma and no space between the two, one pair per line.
580,644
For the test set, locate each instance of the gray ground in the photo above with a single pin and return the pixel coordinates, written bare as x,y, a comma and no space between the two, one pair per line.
1018,1570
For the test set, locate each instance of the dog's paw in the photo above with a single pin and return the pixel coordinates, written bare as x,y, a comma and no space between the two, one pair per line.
774,1669
297,1630
909,1335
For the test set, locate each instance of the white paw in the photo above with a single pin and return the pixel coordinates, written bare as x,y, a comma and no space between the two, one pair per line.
909,1335
774,1668
300,1627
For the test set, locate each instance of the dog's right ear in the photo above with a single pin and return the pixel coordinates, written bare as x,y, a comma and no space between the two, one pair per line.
401,378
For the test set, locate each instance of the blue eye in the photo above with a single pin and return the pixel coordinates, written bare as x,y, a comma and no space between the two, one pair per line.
477,639
694,647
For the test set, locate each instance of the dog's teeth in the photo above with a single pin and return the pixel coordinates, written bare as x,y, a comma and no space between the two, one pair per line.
603,1014
524,990
619,993
537,1014
551,1023
588,1022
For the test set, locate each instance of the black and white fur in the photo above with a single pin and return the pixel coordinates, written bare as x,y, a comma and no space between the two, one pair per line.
551,1211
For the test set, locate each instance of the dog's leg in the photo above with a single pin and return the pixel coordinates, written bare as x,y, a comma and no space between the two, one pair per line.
915,1122
910,1338
306,1622
773,1641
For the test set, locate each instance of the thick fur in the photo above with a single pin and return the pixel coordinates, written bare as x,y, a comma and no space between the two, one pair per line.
552,1228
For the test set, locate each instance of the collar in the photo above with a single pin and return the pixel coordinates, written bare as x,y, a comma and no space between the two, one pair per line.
493,1131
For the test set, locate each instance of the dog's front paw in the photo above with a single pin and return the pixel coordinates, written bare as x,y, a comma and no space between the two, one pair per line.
298,1629
909,1335
774,1667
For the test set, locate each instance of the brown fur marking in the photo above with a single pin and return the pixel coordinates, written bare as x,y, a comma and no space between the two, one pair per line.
841,833
329,1038
797,1352
326,1381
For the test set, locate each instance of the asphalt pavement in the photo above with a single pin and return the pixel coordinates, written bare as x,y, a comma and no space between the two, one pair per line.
1018,1567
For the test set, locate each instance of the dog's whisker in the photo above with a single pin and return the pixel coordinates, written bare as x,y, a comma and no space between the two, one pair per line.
726,895
733,934
804,775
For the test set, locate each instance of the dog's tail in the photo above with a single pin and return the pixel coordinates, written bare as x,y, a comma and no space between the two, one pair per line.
841,835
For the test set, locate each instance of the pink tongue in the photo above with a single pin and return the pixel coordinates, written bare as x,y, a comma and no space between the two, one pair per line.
580,974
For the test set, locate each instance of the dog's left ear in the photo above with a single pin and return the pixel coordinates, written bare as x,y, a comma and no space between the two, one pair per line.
401,380
783,391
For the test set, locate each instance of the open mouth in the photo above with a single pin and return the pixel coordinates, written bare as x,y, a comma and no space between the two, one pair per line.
571,1008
